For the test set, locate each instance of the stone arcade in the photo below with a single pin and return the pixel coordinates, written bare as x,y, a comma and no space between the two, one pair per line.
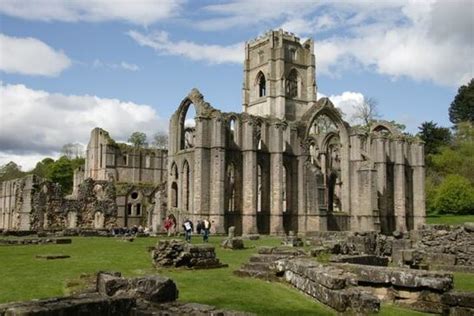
286,163
289,162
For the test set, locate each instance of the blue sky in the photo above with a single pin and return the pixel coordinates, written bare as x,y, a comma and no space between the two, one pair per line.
68,66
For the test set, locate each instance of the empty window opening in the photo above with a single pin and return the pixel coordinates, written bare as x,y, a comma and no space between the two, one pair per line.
292,84
262,85
174,194
232,128
187,126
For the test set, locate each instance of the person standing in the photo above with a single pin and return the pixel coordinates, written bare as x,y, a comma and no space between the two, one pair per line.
206,226
188,229
199,227
167,224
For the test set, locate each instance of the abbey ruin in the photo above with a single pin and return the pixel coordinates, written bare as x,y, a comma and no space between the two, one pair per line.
288,162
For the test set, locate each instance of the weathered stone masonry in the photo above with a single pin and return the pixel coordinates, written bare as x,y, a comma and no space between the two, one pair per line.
286,163
289,162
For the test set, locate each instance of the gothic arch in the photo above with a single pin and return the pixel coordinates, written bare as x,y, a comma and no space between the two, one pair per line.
325,107
202,108
292,83
384,127
261,82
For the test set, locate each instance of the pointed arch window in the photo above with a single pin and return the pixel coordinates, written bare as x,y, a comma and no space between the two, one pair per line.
292,84
262,84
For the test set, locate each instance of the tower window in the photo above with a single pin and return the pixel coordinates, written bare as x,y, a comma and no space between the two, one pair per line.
292,84
292,54
262,89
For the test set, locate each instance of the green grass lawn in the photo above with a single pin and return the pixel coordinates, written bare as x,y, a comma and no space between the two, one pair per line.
23,277
449,219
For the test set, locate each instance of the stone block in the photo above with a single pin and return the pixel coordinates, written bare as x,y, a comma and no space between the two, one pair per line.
340,300
109,283
63,241
233,243
153,288
439,258
408,278
370,260
52,257
469,227
454,298
85,304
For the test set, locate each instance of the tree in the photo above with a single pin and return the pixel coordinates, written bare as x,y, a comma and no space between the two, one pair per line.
160,140
462,107
42,167
10,171
434,137
73,150
62,171
138,139
455,195
366,112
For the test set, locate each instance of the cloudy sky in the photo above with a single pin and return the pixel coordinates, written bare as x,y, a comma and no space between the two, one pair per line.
68,66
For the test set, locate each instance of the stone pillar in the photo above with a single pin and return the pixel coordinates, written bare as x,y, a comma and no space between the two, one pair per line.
367,198
217,177
276,178
355,161
419,196
400,185
202,169
380,159
302,209
249,178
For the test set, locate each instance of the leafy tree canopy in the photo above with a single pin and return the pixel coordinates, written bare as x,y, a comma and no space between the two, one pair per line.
462,107
434,137
10,171
138,139
160,140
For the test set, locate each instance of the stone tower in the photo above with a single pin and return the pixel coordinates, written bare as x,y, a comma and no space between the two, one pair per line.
279,76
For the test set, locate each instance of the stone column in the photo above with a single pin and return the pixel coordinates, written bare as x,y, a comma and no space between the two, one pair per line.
249,178
276,178
380,159
400,185
202,168
216,212
355,161
419,196
367,197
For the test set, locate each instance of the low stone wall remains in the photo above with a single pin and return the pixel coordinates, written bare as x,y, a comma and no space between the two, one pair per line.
177,253
143,296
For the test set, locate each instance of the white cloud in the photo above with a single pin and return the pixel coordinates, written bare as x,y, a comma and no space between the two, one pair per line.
30,56
122,65
36,123
213,54
246,13
411,43
127,66
142,12
347,102
422,40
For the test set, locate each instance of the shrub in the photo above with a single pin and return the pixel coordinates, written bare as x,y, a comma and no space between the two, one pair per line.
455,195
